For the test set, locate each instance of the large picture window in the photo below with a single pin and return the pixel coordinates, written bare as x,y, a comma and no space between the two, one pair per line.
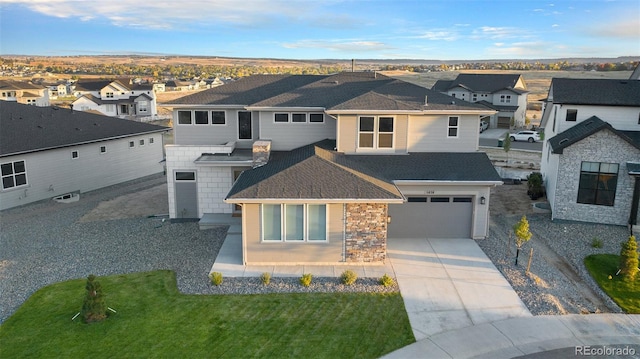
294,222
375,132
14,174
598,182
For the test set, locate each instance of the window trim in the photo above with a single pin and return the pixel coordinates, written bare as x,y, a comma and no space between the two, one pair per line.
276,114
75,154
574,115
13,175
103,150
195,118
141,142
321,115
224,118
305,223
132,144
456,127
595,190
376,133
175,176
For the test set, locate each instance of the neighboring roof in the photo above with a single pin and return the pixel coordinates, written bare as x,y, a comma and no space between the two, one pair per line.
340,92
316,171
635,75
25,128
498,107
488,83
608,92
587,128
99,101
93,85
18,85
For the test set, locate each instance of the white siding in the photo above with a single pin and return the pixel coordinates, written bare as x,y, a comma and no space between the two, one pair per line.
621,118
52,173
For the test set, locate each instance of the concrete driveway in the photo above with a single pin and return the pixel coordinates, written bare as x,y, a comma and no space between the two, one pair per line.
449,284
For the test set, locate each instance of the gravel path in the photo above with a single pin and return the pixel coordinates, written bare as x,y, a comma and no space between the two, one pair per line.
558,282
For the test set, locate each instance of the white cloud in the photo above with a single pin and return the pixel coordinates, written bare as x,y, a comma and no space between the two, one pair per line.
165,14
492,32
436,35
339,45
555,25
520,49
621,29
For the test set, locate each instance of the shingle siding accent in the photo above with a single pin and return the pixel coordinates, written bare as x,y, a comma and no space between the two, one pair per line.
603,146
366,232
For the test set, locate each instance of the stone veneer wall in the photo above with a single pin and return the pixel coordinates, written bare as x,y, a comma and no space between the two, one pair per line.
603,146
366,232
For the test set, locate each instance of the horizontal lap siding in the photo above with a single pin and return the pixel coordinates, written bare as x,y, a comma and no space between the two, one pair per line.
292,253
290,135
429,134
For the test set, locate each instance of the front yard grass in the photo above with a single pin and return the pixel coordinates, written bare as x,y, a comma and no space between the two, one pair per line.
154,320
625,294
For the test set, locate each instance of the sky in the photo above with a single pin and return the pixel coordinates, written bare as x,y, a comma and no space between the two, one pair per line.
323,29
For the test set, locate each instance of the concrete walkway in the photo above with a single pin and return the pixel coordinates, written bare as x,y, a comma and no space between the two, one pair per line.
548,336
449,284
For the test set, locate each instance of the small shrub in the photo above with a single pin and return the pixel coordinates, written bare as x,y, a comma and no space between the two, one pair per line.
348,277
596,243
216,278
386,281
629,259
305,280
265,278
94,308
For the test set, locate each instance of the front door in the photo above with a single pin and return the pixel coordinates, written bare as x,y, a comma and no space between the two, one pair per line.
186,192
244,125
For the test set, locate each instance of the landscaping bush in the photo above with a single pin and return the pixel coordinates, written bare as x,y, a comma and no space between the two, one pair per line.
629,259
265,278
305,280
534,183
216,278
386,281
94,308
348,277
596,243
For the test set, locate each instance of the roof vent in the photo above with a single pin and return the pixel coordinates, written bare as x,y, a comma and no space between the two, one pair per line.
588,123
453,102
78,129
336,82
425,100
564,140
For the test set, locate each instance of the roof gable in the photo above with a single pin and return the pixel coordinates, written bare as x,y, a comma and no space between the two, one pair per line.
25,128
587,128
488,83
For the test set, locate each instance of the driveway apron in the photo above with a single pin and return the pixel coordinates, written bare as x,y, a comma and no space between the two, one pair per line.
449,284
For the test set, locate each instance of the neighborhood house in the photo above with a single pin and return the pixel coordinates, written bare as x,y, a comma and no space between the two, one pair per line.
327,169
117,98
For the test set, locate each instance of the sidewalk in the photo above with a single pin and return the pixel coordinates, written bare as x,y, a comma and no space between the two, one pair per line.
549,336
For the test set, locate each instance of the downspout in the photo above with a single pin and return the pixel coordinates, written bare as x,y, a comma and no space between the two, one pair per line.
633,217
344,232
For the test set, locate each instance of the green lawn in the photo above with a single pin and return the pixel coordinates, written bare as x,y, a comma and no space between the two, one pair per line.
154,320
601,266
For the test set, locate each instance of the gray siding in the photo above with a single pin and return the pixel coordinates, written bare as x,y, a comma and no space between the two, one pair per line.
52,173
213,134
429,134
257,252
286,136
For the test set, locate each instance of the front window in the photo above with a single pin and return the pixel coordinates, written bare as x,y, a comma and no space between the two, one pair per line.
294,222
375,132
598,182
453,126
505,98
14,174
142,106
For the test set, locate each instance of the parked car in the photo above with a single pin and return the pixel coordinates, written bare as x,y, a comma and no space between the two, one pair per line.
530,136
483,126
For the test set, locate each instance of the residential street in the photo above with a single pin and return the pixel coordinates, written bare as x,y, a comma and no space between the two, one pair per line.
490,138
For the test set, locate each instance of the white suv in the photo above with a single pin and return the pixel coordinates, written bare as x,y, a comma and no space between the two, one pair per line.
531,136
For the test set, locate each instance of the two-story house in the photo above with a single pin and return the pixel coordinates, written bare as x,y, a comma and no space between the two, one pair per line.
24,92
505,93
49,152
116,98
327,169
591,152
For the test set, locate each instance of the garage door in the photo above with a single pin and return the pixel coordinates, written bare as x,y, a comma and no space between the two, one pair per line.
432,217
504,122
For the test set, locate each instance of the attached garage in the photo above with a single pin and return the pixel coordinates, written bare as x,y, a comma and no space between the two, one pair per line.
432,217
504,122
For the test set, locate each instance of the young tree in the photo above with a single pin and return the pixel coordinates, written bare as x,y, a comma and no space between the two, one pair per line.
629,259
94,308
522,233
506,146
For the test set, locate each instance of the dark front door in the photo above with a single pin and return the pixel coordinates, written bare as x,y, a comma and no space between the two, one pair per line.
244,125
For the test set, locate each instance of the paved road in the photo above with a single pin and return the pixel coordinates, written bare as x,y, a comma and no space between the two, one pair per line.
490,138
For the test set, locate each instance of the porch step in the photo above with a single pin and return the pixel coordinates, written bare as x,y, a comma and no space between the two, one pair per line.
215,220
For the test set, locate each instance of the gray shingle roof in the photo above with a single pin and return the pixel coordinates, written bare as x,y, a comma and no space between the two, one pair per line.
587,128
94,85
480,83
18,85
25,128
316,171
608,92
339,92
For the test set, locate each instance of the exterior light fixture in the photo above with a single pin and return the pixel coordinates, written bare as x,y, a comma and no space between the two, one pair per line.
483,200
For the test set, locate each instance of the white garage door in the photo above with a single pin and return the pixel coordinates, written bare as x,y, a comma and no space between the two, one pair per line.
432,217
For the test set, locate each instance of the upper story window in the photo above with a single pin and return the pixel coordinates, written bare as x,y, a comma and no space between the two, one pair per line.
319,117
108,94
14,174
142,106
505,98
598,182
75,154
202,117
103,149
453,126
375,132
474,97
184,118
572,115
281,117
218,118
294,222
298,117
